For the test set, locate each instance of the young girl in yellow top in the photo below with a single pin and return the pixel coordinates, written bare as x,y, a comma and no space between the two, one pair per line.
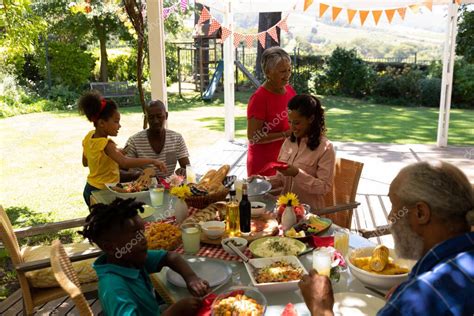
100,153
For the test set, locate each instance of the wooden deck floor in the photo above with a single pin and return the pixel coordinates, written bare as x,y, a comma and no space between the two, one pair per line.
381,163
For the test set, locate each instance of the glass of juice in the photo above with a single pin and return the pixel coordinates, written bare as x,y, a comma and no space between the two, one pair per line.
190,175
156,195
322,262
341,240
191,235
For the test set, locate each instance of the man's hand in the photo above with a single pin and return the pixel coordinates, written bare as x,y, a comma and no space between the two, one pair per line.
290,171
317,293
197,286
181,172
160,165
186,306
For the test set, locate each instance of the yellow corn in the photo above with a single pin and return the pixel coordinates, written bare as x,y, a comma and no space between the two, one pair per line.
379,258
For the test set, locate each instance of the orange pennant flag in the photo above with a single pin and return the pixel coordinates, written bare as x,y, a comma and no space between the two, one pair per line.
205,15
351,14
249,40
429,5
215,25
415,8
458,2
225,33
273,33
376,14
322,8
390,14
307,4
401,12
237,39
283,25
261,38
363,16
335,12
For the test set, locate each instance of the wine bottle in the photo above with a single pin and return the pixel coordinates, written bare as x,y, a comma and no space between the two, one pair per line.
245,210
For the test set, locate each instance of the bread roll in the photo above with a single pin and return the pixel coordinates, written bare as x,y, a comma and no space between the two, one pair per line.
220,175
207,177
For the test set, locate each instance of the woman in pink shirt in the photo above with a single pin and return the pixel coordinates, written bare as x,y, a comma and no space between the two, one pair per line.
309,154
267,116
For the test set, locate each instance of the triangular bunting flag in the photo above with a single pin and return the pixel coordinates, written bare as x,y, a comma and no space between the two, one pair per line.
458,2
307,4
205,15
282,25
389,14
363,16
215,25
225,33
249,40
429,5
261,38
237,39
415,8
184,4
335,12
322,8
273,33
401,12
376,14
166,13
350,15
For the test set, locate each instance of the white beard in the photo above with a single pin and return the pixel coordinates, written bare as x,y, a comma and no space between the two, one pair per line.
408,244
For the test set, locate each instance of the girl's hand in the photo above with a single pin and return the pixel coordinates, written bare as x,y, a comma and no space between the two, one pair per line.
251,178
160,165
290,171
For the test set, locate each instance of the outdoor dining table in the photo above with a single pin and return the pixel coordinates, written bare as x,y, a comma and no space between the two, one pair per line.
276,301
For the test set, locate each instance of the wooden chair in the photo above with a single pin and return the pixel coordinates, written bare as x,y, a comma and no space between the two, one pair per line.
32,296
67,278
340,201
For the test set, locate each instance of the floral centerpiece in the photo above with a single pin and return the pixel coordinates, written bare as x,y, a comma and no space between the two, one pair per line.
283,201
172,181
181,192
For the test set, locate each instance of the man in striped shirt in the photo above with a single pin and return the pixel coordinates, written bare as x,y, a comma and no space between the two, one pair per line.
431,221
157,142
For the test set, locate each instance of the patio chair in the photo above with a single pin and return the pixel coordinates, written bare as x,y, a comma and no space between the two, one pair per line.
340,200
36,296
67,278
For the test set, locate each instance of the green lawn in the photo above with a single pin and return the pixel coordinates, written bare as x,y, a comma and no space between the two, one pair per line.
41,152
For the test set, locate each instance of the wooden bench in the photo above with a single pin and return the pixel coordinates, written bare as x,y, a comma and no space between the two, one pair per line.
114,90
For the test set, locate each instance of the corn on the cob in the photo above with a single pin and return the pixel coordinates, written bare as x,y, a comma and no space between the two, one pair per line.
379,258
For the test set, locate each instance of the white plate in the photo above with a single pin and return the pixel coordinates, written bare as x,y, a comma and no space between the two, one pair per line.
356,304
213,272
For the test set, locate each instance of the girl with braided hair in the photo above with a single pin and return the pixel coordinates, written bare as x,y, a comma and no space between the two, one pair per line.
100,153
309,156
125,287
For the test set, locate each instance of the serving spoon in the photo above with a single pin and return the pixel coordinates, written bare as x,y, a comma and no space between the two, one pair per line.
239,253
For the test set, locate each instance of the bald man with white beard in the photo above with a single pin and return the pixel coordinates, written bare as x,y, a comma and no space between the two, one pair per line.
431,219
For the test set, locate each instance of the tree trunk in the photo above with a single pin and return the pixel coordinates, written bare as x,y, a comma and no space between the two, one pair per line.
134,10
101,33
265,21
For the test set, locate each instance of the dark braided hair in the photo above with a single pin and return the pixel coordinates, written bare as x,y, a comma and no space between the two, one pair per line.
308,106
103,217
90,105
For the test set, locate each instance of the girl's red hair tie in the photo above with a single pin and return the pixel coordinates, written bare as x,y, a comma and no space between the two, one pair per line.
103,103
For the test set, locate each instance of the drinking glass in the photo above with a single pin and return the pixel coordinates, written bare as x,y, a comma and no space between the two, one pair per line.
238,189
156,195
191,235
322,262
190,175
341,240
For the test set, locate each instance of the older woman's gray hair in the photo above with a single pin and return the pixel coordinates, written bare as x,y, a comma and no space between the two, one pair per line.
443,186
272,56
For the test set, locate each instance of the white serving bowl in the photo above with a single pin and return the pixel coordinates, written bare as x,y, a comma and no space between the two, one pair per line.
274,286
384,282
241,242
213,229
142,196
257,208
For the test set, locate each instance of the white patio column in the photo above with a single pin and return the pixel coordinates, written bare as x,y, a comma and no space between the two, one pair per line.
156,46
447,79
229,59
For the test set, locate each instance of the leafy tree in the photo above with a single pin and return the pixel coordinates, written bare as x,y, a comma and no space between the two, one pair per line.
465,38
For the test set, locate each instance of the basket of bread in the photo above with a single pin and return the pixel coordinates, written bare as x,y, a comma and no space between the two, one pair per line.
212,187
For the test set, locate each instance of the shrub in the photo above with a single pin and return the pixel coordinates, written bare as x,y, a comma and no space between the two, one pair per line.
402,84
463,87
430,91
171,63
70,65
345,74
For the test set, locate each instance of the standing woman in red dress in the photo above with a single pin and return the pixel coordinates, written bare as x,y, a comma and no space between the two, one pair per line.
267,115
